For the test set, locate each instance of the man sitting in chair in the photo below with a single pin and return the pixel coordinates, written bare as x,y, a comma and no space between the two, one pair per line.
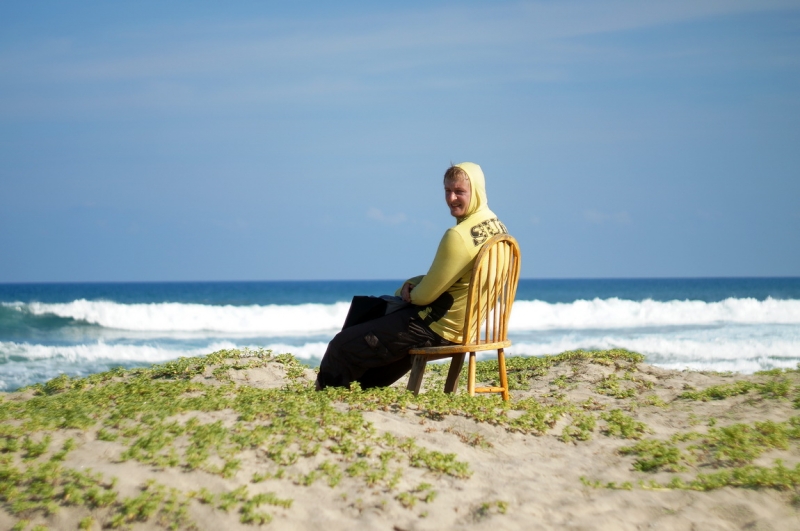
375,353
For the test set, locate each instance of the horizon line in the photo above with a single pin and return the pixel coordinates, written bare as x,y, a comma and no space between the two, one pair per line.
724,277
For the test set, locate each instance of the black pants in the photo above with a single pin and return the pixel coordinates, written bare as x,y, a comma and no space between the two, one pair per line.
375,353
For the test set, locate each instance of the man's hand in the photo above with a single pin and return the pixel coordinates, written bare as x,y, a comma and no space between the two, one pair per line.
405,293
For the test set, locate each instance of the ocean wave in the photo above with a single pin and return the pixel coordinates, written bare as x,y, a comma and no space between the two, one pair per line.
100,350
23,363
306,319
619,313
170,316
658,349
697,353
307,351
668,348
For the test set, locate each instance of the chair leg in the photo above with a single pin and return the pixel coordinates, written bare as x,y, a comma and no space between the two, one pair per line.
501,362
417,372
456,364
471,377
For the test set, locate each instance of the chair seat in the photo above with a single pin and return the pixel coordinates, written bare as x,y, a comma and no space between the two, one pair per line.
458,349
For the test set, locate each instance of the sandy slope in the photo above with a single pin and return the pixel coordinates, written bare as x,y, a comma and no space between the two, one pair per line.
518,480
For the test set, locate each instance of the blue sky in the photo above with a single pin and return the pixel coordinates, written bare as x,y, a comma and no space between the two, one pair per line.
207,141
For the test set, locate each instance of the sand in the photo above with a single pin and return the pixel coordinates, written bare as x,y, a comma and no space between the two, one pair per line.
517,480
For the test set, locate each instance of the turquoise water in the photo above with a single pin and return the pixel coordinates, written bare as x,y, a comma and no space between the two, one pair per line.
742,324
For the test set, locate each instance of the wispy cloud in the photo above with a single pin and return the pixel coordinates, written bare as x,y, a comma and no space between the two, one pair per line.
261,61
377,215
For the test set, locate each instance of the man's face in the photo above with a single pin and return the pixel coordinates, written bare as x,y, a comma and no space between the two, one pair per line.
457,195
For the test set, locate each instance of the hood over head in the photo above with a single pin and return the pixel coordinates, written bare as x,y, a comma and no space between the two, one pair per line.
477,182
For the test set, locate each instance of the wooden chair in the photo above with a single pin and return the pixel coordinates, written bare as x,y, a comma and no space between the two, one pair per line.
492,288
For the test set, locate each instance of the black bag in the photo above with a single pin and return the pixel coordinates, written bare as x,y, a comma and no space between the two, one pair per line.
366,308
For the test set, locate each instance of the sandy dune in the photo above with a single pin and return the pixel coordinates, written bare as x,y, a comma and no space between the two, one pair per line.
513,477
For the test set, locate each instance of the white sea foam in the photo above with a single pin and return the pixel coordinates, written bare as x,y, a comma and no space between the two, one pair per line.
166,317
306,351
667,348
305,319
742,335
619,313
739,355
24,363
719,354
102,351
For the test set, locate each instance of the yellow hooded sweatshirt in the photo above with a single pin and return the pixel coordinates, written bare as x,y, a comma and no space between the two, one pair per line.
443,290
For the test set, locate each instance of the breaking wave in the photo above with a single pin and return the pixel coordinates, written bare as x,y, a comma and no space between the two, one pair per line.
11,351
300,319
619,313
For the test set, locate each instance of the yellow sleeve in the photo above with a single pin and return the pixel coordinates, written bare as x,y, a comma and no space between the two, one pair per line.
413,280
448,266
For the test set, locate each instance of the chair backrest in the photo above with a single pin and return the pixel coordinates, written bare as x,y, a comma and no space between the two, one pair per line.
492,289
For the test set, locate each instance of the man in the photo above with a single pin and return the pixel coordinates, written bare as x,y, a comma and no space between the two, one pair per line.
375,353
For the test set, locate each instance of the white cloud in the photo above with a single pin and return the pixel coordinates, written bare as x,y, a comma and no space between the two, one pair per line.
378,215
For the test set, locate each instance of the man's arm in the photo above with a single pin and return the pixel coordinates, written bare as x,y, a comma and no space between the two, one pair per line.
404,291
449,264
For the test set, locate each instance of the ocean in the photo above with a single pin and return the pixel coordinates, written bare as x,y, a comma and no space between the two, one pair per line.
723,324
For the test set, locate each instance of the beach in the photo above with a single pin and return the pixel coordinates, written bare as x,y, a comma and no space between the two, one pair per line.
238,439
